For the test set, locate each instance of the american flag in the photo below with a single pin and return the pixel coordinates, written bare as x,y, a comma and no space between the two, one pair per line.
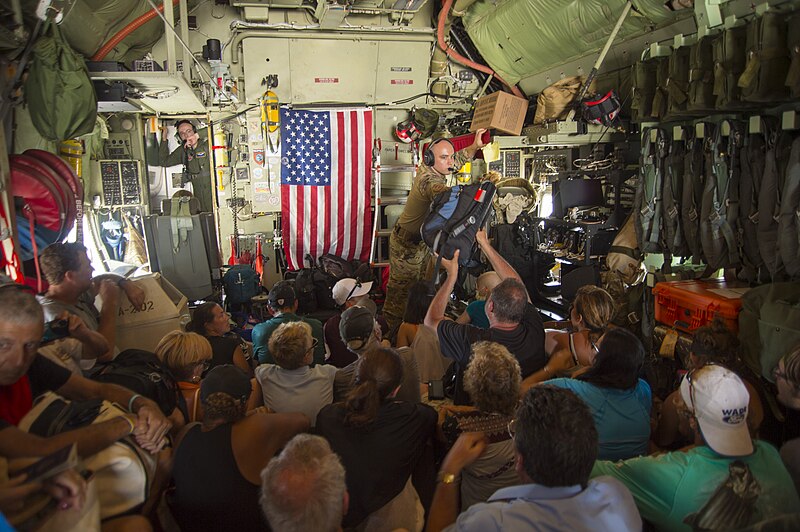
325,184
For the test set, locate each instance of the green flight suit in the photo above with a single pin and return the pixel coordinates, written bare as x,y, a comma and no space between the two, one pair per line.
408,254
198,166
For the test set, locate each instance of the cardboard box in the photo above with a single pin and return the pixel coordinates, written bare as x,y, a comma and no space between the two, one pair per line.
501,111
166,309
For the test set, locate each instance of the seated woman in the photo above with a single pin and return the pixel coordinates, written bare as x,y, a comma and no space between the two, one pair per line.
292,385
380,441
212,322
475,313
217,465
492,381
619,400
712,344
187,356
573,349
420,295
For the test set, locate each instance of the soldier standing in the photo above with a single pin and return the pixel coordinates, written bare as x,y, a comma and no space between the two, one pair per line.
408,254
193,154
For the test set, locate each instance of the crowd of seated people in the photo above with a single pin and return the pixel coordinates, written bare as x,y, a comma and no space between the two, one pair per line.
547,430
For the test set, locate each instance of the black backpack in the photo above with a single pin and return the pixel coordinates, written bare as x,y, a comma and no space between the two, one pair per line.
141,372
455,217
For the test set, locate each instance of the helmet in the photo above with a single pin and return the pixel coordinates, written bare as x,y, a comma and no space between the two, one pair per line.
602,110
406,131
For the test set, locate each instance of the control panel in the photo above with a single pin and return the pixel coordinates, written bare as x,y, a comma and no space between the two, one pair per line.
121,182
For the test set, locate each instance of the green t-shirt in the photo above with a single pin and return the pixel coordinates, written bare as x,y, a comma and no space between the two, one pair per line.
671,486
263,331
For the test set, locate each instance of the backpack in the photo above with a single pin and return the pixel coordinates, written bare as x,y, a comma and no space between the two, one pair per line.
141,372
769,325
672,196
792,81
677,84
647,203
303,281
58,91
701,76
753,159
692,193
720,205
661,94
789,214
241,284
767,59
643,76
336,266
769,205
729,61
455,217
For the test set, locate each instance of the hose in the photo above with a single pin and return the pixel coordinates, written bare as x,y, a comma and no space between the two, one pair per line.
127,30
460,58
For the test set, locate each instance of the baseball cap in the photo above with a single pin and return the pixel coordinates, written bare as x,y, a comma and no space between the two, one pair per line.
357,325
225,379
347,288
281,295
719,401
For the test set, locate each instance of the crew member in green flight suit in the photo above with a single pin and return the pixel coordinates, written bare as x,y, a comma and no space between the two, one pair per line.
194,155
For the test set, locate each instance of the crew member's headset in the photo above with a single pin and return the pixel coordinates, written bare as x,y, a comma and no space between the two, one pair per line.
427,156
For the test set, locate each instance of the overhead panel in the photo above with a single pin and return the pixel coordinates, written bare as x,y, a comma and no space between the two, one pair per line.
264,56
335,71
402,70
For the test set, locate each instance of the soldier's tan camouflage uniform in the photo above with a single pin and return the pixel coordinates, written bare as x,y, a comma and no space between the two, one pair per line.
408,254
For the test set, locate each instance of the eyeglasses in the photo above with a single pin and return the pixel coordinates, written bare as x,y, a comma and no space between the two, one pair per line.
314,344
512,428
205,364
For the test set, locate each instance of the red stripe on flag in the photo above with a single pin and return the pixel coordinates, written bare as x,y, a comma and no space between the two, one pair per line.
299,208
366,151
341,186
314,219
285,217
355,193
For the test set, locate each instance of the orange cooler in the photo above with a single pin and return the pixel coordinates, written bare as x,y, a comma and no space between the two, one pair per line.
688,305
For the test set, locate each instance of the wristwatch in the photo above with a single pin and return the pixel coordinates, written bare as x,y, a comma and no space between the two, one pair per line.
448,478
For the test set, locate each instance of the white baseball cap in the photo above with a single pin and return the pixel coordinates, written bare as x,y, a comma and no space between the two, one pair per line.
349,288
719,401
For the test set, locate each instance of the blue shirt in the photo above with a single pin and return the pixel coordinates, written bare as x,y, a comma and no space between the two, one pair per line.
477,314
622,417
263,331
605,504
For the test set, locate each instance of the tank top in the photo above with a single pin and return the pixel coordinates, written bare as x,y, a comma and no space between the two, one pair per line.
210,492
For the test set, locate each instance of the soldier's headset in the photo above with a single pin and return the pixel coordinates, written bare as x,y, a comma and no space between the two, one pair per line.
427,156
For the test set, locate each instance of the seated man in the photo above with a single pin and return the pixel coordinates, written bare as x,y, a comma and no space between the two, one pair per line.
72,290
360,331
303,488
681,490
291,385
24,375
556,446
282,305
513,321
346,293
